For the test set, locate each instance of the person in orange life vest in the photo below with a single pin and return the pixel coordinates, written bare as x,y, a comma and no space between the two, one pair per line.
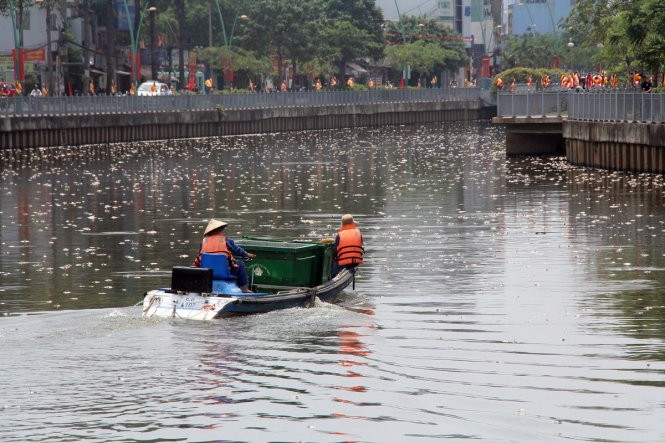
576,79
216,242
348,246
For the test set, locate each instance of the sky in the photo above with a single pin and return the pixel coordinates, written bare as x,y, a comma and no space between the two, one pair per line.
410,7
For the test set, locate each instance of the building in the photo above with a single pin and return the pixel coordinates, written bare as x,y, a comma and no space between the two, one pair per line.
536,16
34,48
97,51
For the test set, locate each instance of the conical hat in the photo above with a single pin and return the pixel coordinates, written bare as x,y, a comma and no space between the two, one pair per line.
214,224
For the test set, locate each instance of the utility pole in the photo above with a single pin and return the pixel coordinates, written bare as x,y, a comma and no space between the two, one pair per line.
180,12
210,38
49,54
153,61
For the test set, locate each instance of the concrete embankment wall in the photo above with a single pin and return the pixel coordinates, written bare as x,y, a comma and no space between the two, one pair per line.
73,130
532,136
637,147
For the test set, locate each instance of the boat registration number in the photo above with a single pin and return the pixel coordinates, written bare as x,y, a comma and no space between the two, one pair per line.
190,303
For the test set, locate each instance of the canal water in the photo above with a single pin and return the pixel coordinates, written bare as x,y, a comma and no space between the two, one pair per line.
501,300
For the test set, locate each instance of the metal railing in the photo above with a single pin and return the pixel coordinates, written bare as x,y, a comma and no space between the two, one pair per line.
118,104
612,105
617,106
552,103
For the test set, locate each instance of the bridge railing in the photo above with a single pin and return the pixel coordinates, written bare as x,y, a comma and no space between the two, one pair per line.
595,105
117,104
550,103
617,105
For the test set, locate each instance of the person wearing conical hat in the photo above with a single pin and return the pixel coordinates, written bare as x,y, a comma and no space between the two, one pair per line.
348,247
216,242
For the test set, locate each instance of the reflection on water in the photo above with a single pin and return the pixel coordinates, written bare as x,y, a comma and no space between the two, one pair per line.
502,300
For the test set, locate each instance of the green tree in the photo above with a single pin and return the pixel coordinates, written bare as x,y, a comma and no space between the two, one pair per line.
282,29
242,60
424,44
353,29
632,33
534,50
423,57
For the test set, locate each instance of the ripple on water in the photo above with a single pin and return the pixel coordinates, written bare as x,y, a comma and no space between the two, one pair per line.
502,299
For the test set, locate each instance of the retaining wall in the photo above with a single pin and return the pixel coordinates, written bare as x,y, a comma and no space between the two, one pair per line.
624,146
45,131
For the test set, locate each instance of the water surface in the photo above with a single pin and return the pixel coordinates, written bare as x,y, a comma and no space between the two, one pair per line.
502,300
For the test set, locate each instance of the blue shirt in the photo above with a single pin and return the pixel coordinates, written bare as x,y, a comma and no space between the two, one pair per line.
235,249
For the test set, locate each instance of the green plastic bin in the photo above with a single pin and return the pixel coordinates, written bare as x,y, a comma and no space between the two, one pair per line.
287,264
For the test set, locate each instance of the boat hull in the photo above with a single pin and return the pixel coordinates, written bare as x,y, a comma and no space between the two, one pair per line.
195,306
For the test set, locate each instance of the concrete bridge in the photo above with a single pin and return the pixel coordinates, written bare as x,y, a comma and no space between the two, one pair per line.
609,129
28,122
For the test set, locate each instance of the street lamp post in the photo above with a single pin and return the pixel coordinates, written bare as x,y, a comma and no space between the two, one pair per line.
228,40
528,11
406,72
570,45
549,10
153,64
134,59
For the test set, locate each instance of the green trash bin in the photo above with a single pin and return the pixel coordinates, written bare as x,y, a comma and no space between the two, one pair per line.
280,264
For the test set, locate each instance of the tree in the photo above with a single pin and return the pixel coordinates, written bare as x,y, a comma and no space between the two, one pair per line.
532,50
242,60
424,44
353,29
422,56
629,31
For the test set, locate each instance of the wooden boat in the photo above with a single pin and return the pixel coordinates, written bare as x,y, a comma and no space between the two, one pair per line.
284,275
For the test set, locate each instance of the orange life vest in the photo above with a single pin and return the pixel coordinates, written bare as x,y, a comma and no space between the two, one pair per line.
614,80
214,244
350,248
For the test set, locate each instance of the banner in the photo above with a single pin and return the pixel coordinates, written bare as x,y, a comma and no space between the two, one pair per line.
34,55
485,70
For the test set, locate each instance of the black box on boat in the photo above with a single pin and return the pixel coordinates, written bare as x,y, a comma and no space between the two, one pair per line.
186,279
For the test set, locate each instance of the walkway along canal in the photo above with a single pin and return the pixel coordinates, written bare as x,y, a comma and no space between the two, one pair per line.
609,129
29,122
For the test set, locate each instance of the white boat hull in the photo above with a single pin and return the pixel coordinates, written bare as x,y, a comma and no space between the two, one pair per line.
193,306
